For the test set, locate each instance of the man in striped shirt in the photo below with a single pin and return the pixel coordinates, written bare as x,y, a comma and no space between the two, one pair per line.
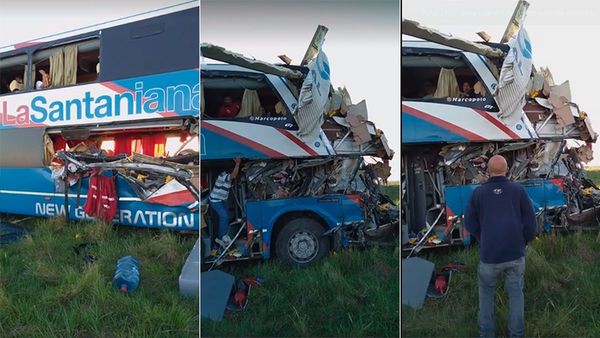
218,199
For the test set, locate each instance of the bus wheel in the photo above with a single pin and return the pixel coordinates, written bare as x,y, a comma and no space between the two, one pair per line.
300,243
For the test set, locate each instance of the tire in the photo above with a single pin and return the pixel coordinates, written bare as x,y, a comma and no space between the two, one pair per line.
300,242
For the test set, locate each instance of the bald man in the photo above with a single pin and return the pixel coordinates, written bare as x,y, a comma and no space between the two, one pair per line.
500,215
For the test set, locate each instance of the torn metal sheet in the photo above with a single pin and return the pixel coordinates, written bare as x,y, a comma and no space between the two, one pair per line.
516,21
416,275
514,79
215,287
415,29
313,98
221,54
314,47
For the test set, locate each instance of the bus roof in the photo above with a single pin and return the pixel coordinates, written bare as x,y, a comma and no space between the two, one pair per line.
103,25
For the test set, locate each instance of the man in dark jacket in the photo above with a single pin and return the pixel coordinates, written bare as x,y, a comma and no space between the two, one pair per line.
500,215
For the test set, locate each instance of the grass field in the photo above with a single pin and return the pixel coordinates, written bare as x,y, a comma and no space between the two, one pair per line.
561,291
349,294
47,290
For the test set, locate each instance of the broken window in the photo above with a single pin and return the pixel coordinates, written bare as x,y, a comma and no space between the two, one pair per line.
65,65
12,74
443,79
239,97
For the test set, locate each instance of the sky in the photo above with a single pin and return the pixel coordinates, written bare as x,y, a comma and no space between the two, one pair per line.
363,42
563,36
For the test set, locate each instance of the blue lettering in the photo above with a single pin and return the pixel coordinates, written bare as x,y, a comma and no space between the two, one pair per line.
57,113
155,100
43,113
103,110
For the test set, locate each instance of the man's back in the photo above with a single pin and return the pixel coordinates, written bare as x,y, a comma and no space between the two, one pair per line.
501,216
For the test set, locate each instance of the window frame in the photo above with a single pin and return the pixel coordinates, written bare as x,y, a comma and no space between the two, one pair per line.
289,123
60,44
489,98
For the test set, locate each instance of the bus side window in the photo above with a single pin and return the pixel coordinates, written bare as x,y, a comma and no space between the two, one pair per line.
240,98
65,65
151,46
13,76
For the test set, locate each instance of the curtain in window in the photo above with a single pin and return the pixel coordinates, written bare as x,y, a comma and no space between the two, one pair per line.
123,144
57,66
48,150
447,85
26,76
250,104
70,64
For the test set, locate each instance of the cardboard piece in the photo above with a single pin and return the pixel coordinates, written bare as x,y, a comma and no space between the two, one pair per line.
416,275
382,170
215,287
585,152
359,129
564,117
563,90
359,109
485,36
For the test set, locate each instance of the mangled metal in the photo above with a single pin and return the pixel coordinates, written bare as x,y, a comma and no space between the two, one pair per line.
544,136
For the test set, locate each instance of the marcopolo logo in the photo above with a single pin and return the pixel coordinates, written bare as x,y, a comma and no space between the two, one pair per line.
88,107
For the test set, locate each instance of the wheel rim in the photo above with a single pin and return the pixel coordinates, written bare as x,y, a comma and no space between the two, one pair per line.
303,246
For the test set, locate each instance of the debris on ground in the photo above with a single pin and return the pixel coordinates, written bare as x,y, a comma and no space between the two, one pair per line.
10,233
215,289
416,275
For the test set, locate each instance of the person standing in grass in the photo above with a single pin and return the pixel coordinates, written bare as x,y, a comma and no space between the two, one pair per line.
500,215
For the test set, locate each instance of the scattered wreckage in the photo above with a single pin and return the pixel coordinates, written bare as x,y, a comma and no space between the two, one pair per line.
312,163
464,102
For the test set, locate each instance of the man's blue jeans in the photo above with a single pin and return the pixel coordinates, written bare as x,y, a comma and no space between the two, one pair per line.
513,284
221,209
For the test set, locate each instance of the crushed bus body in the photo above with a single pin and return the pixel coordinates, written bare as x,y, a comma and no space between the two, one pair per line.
114,100
513,109
304,186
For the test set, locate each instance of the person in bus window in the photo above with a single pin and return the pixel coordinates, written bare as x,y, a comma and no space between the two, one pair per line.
16,84
467,90
44,82
428,90
229,108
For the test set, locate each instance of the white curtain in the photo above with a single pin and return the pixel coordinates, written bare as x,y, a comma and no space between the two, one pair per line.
57,69
70,64
447,85
250,104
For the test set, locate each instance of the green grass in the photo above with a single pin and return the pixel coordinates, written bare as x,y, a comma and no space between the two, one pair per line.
351,293
47,290
561,293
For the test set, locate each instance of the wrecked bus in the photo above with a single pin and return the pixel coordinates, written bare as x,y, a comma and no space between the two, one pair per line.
465,102
118,99
303,187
